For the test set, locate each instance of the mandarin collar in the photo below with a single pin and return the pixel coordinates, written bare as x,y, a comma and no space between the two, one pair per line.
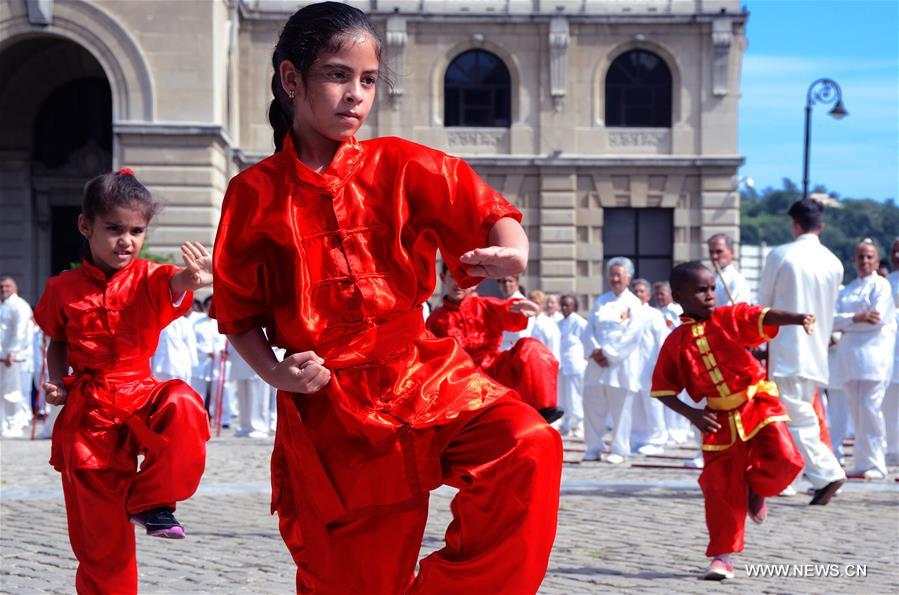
93,271
346,161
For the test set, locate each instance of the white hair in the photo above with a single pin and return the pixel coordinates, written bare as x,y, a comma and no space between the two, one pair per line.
623,262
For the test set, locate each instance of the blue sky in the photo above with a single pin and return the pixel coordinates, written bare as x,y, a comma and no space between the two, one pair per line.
791,44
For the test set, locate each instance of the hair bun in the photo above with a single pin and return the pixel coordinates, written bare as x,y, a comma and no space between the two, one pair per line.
125,171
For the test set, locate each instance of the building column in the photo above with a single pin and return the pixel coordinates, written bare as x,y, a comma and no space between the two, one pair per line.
558,231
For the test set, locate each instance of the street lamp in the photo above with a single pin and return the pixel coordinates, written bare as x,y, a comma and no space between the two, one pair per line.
821,91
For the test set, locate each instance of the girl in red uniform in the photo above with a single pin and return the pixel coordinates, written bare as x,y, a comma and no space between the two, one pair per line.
330,246
104,320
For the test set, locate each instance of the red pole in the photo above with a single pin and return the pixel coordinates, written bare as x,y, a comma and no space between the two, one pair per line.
40,386
220,391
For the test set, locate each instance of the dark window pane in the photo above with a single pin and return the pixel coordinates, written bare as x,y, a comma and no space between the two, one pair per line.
477,91
619,232
638,78
653,269
655,232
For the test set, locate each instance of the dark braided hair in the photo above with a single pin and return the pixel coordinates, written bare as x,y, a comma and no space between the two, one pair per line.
311,31
120,189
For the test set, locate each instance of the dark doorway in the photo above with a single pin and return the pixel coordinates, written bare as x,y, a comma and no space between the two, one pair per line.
65,246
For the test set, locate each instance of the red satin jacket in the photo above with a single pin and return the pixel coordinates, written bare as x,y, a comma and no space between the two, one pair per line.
477,323
708,359
111,328
340,262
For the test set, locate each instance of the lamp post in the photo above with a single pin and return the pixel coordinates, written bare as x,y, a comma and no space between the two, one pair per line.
820,91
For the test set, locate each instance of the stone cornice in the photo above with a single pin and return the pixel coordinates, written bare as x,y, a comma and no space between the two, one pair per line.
172,129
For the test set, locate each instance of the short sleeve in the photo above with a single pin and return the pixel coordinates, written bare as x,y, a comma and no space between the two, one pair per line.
49,313
459,206
668,376
749,323
239,297
159,287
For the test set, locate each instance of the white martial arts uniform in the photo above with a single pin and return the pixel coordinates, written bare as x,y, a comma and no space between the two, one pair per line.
547,332
739,287
16,330
891,398
510,338
864,361
176,354
211,373
803,276
571,372
839,422
615,325
648,423
557,317
253,396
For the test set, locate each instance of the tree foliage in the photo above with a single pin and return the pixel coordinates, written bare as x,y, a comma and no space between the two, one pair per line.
763,219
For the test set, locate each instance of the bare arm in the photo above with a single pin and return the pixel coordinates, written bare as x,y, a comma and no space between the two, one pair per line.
299,373
57,366
778,317
507,253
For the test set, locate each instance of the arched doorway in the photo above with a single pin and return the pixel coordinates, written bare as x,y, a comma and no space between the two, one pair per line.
55,134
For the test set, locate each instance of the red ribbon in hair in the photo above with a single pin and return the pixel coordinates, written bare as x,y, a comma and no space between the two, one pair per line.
125,171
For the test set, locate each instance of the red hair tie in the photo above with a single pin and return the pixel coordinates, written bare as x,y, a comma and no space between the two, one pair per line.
125,171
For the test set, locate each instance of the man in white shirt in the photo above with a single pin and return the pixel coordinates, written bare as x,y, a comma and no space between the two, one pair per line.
545,328
648,433
553,307
804,276
509,287
730,287
16,329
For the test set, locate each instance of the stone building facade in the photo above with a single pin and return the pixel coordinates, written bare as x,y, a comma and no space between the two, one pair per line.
561,105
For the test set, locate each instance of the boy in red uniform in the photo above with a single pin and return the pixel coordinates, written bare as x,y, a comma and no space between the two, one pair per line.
478,323
104,320
749,454
330,245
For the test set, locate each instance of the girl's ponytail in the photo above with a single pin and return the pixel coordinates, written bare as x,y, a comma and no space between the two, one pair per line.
279,117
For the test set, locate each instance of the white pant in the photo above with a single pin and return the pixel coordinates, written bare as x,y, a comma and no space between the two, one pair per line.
648,422
15,411
47,431
864,398
677,425
571,400
599,402
252,405
797,395
890,410
838,422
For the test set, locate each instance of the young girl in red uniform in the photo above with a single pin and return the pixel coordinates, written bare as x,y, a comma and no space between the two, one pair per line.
330,246
478,323
749,454
104,320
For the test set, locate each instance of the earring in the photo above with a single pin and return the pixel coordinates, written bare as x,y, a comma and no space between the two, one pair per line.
291,93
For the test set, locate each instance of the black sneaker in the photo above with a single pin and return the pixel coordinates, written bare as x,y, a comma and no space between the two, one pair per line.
159,522
551,414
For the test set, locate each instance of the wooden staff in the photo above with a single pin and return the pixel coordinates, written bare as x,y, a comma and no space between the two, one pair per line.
721,276
220,392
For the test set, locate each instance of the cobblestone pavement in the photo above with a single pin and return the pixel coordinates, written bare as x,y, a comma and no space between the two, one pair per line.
621,528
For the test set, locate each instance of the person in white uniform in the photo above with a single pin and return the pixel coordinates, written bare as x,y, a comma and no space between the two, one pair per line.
839,423
252,394
15,356
509,287
678,427
176,354
611,341
891,397
803,276
571,367
545,330
866,315
648,431
730,284
553,307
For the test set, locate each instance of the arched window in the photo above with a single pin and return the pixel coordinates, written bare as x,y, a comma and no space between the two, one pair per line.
638,91
477,91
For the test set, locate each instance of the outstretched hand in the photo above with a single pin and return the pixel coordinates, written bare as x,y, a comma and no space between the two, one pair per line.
197,270
808,323
494,262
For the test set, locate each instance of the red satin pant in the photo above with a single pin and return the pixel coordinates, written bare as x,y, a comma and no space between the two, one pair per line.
99,501
767,463
530,369
506,462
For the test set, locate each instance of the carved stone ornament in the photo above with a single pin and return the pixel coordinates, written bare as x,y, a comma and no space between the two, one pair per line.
722,37
558,58
649,139
40,12
476,137
396,54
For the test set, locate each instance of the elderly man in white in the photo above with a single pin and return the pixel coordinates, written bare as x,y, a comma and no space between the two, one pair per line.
15,360
612,378
571,367
804,276
648,432
731,287
866,314
891,398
